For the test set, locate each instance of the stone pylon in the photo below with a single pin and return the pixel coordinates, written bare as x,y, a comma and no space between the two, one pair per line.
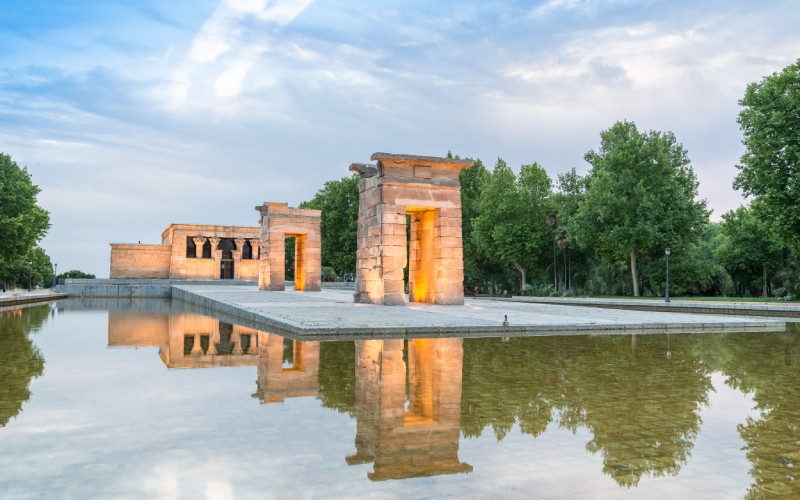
279,220
427,191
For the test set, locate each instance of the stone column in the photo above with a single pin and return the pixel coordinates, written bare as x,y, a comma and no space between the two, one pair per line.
197,349
213,339
237,260
254,244
199,241
216,255
236,340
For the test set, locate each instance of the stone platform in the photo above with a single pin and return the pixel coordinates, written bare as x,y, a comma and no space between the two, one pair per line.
331,314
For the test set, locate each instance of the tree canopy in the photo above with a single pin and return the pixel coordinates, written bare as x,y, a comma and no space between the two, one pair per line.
22,222
750,250
338,200
770,166
510,226
640,197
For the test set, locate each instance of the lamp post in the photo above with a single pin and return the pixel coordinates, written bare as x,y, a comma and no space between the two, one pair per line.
552,220
666,294
30,275
55,270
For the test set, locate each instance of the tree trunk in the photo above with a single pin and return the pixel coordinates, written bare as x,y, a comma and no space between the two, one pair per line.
633,274
522,277
765,280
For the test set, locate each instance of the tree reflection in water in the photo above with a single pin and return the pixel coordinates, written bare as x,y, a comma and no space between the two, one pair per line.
642,408
20,360
768,367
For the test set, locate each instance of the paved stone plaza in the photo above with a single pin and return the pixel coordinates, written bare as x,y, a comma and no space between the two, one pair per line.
332,313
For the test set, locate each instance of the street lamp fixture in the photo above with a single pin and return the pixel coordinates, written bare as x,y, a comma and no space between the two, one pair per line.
30,275
666,294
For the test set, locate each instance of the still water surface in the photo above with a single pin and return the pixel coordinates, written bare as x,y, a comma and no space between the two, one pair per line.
141,399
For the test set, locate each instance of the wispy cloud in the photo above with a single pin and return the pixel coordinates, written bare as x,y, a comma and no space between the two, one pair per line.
551,7
222,35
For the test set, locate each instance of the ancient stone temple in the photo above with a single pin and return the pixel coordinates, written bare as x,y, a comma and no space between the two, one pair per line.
191,251
425,189
278,221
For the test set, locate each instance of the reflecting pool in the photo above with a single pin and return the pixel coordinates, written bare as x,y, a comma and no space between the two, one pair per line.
151,399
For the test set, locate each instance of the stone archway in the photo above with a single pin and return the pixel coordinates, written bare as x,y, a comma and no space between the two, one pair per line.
279,220
428,190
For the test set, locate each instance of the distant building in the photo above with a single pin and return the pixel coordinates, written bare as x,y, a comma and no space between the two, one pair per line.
191,252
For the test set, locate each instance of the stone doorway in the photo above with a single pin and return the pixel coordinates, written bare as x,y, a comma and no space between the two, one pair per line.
226,269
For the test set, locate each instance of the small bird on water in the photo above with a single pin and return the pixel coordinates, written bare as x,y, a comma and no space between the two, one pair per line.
505,320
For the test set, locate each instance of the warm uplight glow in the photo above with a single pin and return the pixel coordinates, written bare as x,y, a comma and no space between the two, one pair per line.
420,268
422,440
299,261
420,382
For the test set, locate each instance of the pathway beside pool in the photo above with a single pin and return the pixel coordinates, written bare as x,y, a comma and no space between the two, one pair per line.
331,314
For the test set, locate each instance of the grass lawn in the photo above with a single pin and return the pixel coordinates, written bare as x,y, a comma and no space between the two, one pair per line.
704,299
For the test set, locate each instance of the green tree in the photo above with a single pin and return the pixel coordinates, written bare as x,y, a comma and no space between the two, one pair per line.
22,222
770,166
640,197
473,181
510,227
75,274
565,202
750,249
338,201
695,271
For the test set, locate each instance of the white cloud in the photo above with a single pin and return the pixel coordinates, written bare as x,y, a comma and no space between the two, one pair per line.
578,6
228,38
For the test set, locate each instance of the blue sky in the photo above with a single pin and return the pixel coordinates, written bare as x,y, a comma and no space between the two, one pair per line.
133,115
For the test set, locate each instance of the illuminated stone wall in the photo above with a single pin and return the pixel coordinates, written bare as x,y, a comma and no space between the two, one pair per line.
278,220
428,190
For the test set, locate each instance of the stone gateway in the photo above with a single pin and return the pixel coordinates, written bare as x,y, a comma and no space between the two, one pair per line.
425,189
279,220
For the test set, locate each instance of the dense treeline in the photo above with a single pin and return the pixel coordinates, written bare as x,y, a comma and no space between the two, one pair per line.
606,232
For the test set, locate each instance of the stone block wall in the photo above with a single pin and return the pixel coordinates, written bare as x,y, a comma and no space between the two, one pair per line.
140,261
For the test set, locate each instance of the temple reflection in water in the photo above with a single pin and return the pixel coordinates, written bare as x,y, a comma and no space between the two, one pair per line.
412,437
286,368
404,434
